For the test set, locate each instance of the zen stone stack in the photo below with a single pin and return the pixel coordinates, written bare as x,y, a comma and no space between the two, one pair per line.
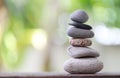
84,59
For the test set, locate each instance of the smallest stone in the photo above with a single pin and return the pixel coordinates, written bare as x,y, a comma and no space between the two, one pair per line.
79,16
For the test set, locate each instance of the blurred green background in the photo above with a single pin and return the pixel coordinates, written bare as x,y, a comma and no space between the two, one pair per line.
33,33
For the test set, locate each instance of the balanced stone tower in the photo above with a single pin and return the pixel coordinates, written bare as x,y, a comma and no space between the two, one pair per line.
84,59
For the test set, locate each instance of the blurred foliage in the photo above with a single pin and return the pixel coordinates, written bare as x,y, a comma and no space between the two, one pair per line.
104,11
23,16
26,14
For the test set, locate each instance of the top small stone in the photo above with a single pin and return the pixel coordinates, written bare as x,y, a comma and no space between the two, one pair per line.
79,16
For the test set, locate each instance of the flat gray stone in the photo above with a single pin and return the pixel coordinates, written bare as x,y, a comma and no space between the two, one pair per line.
80,25
79,52
83,66
79,16
79,33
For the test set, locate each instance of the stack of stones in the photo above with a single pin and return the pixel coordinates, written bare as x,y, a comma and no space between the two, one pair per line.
84,59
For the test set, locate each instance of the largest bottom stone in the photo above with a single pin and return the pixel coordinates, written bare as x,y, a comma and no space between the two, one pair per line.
83,65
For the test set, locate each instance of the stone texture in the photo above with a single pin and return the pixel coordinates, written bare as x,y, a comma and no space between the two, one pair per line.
79,33
80,25
79,52
79,16
83,66
80,42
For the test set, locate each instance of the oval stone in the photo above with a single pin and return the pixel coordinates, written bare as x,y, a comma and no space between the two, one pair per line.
80,25
79,16
80,52
80,42
79,33
83,66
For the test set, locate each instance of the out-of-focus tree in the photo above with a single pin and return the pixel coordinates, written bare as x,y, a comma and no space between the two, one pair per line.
104,11
23,16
